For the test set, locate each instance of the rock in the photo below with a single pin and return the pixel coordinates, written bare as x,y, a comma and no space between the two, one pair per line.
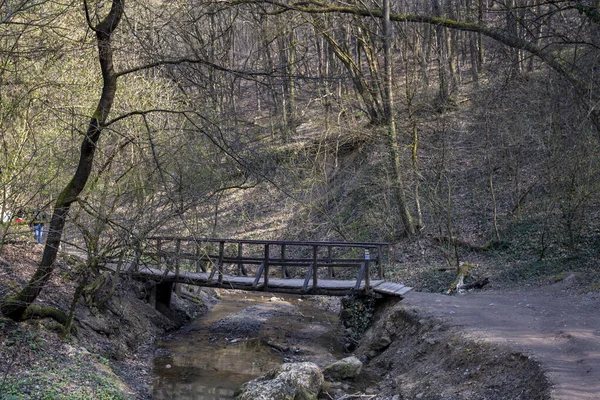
345,314
347,368
294,381
381,343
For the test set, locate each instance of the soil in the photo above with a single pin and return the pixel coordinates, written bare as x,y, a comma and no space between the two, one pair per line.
552,325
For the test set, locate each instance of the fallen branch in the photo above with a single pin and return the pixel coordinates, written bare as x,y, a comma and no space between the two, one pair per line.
474,285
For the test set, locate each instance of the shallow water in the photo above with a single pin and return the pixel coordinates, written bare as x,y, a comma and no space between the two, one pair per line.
242,337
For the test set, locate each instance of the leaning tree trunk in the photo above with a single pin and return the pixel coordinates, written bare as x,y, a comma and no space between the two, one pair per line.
16,306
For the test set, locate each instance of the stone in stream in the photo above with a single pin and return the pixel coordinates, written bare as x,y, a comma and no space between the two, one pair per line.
346,368
294,381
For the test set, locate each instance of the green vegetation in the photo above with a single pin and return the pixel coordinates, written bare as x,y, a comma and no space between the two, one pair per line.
41,367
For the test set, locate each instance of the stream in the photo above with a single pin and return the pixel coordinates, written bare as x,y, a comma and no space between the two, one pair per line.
242,337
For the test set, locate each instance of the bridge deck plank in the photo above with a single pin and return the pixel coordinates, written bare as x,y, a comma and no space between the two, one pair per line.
391,288
325,286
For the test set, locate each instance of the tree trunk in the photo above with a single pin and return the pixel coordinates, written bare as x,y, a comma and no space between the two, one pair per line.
361,85
16,306
388,104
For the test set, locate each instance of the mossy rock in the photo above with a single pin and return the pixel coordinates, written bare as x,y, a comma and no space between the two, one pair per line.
346,368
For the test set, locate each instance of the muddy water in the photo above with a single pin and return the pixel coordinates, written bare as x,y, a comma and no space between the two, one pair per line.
242,337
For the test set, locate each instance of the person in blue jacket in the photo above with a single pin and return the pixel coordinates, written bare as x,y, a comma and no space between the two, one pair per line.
37,224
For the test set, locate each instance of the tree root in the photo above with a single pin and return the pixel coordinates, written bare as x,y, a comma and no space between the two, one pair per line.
37,311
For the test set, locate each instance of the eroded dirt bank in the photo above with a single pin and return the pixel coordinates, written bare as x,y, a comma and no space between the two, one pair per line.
421,357
554,324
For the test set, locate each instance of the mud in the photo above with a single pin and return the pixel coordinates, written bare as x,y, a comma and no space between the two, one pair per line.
422,357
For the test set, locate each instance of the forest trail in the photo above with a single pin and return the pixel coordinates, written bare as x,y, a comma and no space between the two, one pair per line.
549,324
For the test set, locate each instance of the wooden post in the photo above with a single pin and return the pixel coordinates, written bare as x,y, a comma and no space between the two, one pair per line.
266,266
284,273
197,257
307,278
258,274
329,250
380,261
159,251
135,265
367,271
177,260
315,267
241,269
220,262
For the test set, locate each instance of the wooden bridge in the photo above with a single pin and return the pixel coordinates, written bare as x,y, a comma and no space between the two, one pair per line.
321,268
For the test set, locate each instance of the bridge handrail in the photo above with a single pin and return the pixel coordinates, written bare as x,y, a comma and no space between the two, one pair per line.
275,242
266,261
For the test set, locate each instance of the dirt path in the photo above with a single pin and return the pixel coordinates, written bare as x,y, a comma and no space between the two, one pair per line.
559,329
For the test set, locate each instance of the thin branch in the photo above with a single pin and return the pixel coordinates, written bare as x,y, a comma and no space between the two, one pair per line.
499,35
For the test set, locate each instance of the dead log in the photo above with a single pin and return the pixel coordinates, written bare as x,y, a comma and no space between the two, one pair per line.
474,285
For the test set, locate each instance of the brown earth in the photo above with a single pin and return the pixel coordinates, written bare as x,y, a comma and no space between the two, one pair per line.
481,344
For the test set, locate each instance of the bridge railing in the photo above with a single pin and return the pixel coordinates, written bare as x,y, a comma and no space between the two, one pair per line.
321,259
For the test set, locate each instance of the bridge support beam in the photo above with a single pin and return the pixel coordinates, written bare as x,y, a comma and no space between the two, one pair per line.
358,314
163,294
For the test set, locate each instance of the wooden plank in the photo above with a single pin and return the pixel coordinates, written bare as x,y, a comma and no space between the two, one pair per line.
392,288
276,285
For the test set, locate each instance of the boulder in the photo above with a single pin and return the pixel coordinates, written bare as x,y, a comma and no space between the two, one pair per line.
346,368
293,381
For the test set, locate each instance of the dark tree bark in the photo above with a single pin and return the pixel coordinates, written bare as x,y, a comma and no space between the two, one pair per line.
15,307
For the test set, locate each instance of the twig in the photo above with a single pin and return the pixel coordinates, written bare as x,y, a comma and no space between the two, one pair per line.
357,396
